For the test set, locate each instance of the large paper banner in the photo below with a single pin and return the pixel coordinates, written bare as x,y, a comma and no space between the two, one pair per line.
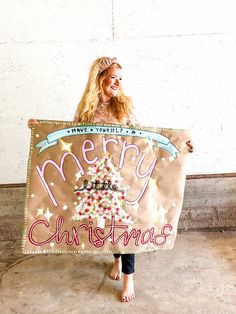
103,188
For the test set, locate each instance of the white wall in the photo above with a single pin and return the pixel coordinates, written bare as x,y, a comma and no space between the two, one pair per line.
178,61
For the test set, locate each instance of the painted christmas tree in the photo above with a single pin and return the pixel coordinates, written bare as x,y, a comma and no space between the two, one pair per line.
104,196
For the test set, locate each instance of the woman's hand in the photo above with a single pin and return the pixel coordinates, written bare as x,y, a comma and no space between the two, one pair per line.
32,122
190,146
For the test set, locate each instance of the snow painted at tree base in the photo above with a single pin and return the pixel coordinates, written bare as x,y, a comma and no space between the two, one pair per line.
103,188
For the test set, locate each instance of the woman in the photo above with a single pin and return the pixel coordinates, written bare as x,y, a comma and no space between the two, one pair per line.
104,101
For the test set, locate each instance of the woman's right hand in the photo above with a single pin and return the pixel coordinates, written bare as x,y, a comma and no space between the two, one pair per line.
32,122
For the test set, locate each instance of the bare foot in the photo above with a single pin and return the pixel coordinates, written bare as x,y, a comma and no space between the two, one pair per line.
116,269
128,288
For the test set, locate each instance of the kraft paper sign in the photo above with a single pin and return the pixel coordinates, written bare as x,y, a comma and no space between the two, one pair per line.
103,188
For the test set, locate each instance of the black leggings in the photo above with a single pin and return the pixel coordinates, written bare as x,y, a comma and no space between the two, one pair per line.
127,263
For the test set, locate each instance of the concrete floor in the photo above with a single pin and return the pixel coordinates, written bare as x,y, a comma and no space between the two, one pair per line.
197,276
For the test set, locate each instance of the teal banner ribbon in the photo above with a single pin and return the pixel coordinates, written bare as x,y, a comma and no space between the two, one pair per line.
162,141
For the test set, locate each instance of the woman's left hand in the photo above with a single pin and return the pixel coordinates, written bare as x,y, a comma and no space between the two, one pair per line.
190,146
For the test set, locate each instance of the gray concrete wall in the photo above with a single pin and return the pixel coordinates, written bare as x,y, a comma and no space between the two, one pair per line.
209,203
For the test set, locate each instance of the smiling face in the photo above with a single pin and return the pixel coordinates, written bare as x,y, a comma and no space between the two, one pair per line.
111,82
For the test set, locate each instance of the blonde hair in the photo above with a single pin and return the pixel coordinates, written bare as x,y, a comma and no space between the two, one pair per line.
121,105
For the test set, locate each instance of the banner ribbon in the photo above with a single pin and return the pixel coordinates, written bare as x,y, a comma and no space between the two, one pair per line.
162,141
